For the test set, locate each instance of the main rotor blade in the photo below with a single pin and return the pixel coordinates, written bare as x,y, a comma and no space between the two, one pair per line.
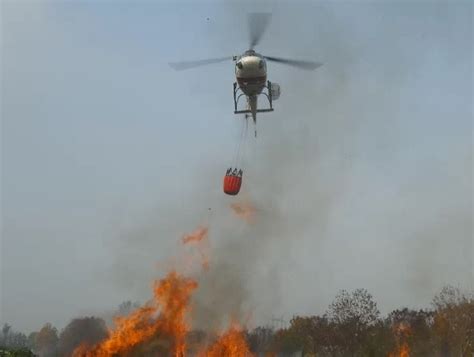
179,66
295,63
258,22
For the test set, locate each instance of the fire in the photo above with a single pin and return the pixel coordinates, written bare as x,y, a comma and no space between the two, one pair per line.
198,235
200,238
162,322
403,351
230,344
402,332
162,318
245,210
174,294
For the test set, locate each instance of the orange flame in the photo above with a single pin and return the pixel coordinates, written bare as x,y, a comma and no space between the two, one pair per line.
230,344
164,320
163,317
402,331
199,237
403,351
245,210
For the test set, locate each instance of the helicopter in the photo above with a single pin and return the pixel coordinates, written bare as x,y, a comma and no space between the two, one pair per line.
251,70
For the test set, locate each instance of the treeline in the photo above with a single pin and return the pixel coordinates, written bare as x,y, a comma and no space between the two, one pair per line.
351,326
49,342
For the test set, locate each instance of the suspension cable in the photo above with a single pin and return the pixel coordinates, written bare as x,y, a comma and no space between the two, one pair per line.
238,150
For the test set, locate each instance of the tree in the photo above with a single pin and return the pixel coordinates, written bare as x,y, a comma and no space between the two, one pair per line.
12,339
32,340
287,341
417,326
353,314
454,322
126,307
18,340
260,339
5,335
86,330
380,340
47,341
317,334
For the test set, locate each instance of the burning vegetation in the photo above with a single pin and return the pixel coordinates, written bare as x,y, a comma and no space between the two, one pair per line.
163,319
402,331
161,326
351,326
230,343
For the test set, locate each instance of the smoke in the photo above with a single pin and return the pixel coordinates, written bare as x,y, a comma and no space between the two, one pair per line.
81,331
359,177
244,210
362,177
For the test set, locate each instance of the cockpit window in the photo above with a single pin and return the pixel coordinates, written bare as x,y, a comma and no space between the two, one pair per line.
261,64
239,65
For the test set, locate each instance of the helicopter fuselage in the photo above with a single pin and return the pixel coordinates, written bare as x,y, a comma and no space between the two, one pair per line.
251,73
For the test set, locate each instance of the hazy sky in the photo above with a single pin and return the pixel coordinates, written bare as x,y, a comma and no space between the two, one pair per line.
362,177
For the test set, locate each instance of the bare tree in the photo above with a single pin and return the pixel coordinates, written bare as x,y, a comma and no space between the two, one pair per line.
353,314
126,307
454,322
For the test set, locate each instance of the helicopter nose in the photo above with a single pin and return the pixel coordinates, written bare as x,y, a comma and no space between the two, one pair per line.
253,63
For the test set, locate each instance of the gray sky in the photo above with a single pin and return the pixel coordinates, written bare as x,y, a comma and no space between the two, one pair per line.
362,177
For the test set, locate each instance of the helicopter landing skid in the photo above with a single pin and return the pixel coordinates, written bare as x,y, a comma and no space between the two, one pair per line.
238,94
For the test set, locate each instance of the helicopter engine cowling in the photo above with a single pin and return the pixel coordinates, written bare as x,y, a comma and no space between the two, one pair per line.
275,90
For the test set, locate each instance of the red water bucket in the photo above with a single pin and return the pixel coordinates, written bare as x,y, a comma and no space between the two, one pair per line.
232,184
